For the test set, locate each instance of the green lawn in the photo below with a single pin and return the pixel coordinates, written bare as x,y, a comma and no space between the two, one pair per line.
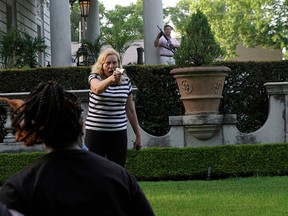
265,196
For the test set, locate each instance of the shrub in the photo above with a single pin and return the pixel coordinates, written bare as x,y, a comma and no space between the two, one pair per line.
198,44
154,164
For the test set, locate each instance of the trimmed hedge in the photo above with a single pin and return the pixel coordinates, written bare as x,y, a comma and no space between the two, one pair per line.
153,164
158,96
220,161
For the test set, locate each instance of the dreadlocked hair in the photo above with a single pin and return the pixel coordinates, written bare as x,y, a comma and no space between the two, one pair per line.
49,115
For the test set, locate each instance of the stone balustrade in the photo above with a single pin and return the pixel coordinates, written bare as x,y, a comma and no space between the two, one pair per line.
190,130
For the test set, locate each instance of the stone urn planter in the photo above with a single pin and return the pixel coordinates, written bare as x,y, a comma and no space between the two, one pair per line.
201,88
199,82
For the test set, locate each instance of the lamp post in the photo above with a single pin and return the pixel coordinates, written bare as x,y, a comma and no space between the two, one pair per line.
84,9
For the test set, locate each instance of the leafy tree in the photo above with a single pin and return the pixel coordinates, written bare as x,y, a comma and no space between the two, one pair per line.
179,14
119,27
18,49
128,17
123,26
198,45
120,41
27,52
91,49
75,18
8,47
254,22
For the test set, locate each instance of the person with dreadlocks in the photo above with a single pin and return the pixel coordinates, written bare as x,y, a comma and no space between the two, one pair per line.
66,180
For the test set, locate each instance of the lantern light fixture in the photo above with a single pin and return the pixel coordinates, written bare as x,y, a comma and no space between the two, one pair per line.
84,7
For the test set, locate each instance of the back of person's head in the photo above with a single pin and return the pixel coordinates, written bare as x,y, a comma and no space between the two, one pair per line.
49,115
98,66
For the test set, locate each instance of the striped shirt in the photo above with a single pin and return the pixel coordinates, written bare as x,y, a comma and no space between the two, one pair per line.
106,111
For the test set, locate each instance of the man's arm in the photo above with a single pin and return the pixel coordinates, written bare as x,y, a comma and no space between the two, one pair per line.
156,42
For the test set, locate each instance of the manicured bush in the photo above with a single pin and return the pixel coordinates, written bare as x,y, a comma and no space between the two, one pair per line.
209,162
154,164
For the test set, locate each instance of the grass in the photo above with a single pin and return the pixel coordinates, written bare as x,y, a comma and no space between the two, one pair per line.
265,196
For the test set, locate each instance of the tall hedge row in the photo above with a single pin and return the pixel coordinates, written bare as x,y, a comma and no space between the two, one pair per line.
158,96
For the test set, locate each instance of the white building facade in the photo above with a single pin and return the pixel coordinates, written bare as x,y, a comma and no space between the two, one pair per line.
30,16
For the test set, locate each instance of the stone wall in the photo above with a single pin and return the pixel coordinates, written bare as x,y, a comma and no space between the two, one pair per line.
194,130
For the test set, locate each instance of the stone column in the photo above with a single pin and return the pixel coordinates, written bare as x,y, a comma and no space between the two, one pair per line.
60,33
153,16
93,24
278,94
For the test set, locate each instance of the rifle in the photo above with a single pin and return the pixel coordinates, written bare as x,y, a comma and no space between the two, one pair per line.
168,41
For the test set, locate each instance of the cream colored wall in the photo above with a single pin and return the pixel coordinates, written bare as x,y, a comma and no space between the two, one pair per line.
257,54
131,53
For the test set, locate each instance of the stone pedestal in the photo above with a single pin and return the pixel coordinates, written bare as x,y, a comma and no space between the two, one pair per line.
201,130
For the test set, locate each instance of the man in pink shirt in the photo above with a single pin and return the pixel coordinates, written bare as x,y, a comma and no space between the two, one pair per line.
167,45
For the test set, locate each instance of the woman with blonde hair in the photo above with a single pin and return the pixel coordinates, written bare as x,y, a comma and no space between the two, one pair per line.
110,104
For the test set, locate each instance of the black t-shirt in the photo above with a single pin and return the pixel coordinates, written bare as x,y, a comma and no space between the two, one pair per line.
74,182
4,211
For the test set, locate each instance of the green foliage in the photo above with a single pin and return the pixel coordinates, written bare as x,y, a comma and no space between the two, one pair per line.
244,93
253,196
179,14
123,26
75,17
119,28
18,49
220,161
188,163
28,49
120,41
91,49
10,163
8,47
124,19
198,45
253,22
23,80
158,97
